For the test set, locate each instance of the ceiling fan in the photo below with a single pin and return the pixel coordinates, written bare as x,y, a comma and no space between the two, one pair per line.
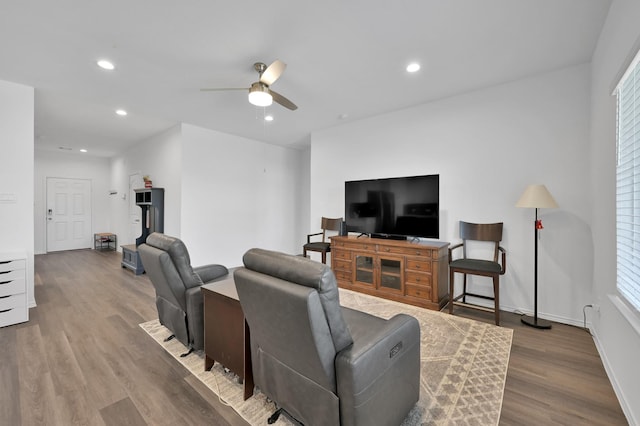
260,93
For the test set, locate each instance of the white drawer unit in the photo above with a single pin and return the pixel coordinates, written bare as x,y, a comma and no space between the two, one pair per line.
13,290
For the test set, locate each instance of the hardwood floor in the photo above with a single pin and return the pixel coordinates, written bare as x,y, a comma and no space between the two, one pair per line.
82,359
555,376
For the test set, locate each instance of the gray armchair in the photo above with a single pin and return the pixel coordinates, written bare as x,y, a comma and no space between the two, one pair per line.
319,362
178,295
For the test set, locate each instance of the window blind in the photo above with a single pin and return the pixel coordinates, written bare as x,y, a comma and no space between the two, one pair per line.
628,185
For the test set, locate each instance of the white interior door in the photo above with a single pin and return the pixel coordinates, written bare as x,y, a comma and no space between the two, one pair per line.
68,214
135,212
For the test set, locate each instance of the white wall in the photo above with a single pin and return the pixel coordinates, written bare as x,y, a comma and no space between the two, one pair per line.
487,147
16,174
237,194
159,157
617,339
72,166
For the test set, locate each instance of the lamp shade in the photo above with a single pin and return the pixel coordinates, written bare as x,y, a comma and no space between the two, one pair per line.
536,196
259,95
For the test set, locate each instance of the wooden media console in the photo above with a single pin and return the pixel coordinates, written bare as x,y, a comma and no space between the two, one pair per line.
410,272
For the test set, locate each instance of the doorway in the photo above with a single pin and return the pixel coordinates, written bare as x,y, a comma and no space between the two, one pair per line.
68,214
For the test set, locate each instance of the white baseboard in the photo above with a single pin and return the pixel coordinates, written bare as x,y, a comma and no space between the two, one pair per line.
626,409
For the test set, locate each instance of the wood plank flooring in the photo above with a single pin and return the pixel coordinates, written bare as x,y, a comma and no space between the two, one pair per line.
555,376
82,359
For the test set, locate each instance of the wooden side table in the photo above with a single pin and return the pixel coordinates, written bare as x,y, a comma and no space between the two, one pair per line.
226,333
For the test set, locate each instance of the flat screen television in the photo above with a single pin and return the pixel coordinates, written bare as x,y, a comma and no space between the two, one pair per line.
394,207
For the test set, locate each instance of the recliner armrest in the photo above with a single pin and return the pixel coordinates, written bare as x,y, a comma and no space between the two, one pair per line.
367,357
195,311
384,363
210,272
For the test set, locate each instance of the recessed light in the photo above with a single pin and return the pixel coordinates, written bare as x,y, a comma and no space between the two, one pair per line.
83,150
268,118
121,112
413,67
106,65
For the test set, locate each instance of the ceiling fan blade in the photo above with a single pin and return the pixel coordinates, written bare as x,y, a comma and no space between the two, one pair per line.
283,101
273,72
225,88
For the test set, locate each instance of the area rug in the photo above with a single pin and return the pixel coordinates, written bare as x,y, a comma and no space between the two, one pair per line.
463,371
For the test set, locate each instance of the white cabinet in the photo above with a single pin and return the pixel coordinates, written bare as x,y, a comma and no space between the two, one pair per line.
13,289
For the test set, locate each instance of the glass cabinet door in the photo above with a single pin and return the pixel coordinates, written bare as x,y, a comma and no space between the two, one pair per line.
391,274
364,270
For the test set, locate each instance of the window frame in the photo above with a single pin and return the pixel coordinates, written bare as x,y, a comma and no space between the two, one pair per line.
627,92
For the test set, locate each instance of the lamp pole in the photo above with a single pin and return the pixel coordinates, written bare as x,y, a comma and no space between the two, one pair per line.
535,322
536,196
535,271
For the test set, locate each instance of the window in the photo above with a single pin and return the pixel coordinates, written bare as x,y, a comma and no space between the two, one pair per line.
628,184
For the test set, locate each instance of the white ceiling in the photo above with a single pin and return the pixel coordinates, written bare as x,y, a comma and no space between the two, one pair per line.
345,58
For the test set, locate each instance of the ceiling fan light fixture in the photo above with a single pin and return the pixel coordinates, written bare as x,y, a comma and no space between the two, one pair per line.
259,95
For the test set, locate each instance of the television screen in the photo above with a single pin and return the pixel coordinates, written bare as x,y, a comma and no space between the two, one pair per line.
393,207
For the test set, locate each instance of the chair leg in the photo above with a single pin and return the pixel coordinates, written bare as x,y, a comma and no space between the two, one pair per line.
304,252
496,296
324,257
451,277
464,288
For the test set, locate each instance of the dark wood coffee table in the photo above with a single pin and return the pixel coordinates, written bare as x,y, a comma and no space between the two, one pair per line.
226,333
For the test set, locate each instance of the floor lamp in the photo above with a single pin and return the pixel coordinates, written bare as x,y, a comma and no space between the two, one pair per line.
536,197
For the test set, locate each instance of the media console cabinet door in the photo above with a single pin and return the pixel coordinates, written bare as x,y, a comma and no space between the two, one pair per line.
364,270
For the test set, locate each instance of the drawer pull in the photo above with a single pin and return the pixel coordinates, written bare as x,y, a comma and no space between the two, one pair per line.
6,261
4,297
5,310
5,282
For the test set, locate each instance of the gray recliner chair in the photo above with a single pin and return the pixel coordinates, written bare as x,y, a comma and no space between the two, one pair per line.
319,362
178,295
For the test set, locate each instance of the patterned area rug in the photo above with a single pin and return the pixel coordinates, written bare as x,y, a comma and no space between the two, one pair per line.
464,367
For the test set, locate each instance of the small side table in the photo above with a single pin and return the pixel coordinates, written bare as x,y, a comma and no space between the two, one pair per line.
105,241
131,259
226,333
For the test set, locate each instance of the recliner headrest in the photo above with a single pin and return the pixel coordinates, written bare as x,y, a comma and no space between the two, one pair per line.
296,269
179,256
